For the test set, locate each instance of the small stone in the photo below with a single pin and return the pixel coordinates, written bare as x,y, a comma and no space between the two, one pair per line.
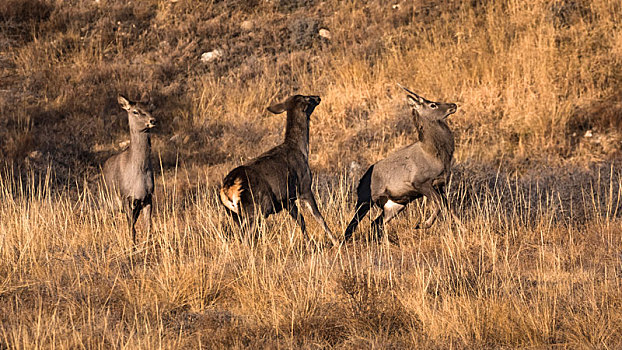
124,144
180,139
247,25
175,138
588,133
325,33
34,155
396,6
210,56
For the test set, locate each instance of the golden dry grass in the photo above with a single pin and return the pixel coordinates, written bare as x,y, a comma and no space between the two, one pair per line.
528,270
538,264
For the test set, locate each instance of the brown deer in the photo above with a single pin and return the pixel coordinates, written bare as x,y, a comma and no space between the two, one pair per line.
276,179
129,174
420,169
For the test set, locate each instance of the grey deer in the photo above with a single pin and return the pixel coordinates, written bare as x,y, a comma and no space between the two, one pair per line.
277,178
420,169
129,174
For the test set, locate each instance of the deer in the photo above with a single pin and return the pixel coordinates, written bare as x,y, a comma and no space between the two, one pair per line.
129,175
417,170
278,178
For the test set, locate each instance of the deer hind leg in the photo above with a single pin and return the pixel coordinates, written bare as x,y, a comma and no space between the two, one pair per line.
361,211
249,211
247,220
389,211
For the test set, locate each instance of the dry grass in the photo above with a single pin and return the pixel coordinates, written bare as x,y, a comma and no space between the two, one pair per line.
538,264
528,270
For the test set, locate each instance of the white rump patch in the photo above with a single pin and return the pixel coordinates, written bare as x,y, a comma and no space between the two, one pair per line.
392,205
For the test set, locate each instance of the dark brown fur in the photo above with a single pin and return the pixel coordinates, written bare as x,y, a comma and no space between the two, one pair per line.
276,179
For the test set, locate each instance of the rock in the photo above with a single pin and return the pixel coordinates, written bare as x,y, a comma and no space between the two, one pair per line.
175,138
325,33
355,167
180,139
211,56
247,25
588,133
124,144
34,155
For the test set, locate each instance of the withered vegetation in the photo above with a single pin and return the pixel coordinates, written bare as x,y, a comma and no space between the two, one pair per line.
536,181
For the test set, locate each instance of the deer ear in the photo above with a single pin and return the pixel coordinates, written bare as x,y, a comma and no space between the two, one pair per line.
277,108
413,102
124,102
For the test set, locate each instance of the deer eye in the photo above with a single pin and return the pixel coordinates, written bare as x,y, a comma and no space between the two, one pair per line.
433,105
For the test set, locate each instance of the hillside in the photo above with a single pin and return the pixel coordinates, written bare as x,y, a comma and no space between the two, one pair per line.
532,80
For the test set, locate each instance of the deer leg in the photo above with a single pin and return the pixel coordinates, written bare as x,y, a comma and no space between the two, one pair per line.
377,226
146,214
128,210
238,224
361,211
432,194
312,205
389,210
136,208
300,220
451,212
248,223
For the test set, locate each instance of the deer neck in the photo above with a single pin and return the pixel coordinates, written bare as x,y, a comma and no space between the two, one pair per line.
436,138
140,147
297,131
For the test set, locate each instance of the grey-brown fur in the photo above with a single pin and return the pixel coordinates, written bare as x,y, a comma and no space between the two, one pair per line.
420,169
129,174
276,179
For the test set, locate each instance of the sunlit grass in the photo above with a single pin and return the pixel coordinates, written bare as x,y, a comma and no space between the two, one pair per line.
535,265
515,275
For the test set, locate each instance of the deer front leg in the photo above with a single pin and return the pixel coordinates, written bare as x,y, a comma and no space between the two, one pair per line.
300,220
450,210
361,211
309,200
135,212
435,198
128,210
146,214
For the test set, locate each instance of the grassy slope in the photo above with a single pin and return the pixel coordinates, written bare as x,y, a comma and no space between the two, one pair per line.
537,264
530,78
